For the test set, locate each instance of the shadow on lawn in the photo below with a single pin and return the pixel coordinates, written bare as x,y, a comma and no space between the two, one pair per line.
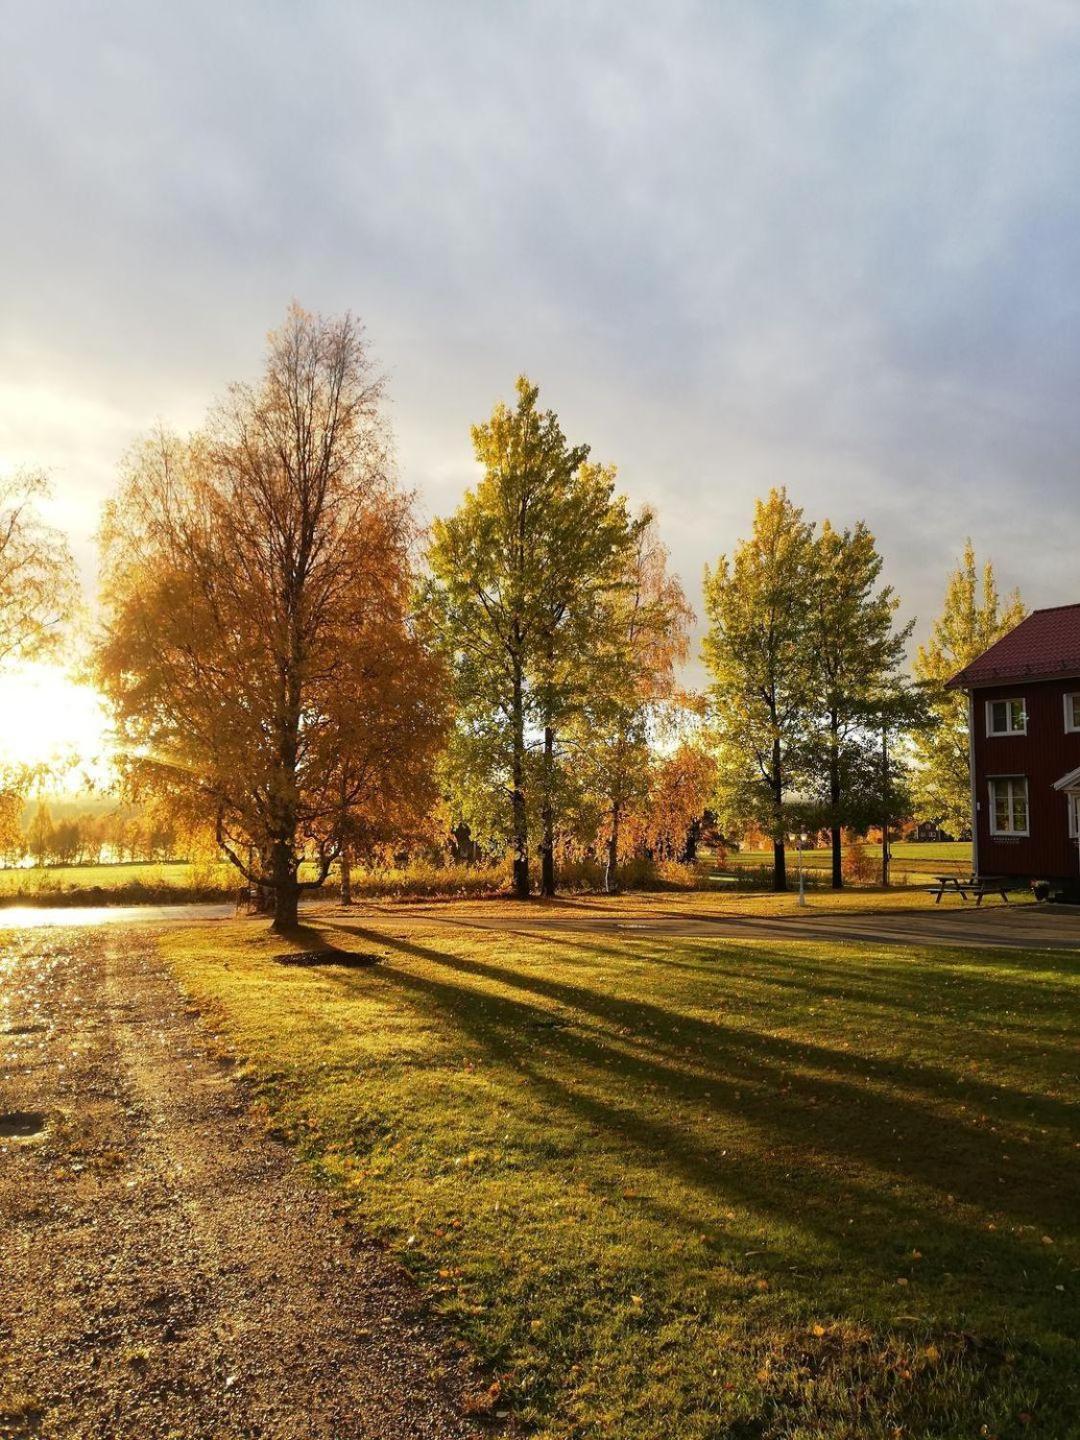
868,1154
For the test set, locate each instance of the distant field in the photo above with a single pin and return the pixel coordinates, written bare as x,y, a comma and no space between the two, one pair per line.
908,857
136,882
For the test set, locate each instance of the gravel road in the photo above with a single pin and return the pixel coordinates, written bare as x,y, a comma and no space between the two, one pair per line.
164,1271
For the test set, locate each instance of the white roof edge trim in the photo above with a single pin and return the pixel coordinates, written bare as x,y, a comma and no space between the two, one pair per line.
1070,781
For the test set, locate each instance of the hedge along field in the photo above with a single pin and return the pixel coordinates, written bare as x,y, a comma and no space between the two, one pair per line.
692,1189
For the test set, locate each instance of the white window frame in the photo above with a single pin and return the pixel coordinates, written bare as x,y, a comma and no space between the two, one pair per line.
1072,711
1011,781
1010,729
1073,798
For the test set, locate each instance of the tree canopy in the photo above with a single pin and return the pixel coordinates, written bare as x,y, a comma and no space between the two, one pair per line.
973,618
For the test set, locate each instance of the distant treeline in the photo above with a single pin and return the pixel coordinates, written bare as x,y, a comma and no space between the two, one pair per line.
68,834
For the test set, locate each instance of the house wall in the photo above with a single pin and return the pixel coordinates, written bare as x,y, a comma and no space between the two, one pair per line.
1044,755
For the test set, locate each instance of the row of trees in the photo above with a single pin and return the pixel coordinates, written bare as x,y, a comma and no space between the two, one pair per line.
817,724
87,836
809,698
280,672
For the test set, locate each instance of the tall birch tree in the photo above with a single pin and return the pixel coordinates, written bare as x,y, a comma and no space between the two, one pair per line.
758,650
518,578
257,644
857,653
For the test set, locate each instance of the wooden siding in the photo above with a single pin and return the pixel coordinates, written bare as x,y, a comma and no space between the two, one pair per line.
1043,755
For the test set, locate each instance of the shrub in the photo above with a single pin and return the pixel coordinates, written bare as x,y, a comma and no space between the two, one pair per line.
857,867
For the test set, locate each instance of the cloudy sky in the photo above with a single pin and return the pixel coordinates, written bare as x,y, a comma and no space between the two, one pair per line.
830,245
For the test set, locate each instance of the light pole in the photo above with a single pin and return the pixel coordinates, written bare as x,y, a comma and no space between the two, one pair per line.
800,840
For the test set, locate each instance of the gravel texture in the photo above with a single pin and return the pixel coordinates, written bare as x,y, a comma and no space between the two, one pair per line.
164,1270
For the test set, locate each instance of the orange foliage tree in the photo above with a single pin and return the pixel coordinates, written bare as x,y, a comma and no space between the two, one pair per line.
257,643
629,678
681,789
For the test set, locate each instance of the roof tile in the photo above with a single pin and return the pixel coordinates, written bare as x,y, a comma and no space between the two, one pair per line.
1045,645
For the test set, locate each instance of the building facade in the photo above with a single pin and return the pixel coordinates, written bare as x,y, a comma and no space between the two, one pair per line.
1024,722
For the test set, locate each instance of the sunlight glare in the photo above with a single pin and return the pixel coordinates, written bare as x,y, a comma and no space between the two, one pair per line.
46,716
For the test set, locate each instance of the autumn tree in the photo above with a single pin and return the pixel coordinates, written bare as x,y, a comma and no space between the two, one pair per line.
41,834
12,840
625,679
857,653
682,785
518,576
758,651
974,617
257,645
37,578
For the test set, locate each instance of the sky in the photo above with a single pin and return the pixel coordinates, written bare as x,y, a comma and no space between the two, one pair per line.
834,246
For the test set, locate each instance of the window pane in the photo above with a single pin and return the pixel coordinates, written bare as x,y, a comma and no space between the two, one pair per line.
998,717
1016,714
1075,699
1000,793
1020,818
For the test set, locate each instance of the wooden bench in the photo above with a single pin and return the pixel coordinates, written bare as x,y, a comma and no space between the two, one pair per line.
968,885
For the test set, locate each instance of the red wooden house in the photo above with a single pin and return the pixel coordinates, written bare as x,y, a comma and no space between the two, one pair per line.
1024,725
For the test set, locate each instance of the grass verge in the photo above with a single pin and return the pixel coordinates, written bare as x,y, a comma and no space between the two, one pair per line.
690,1188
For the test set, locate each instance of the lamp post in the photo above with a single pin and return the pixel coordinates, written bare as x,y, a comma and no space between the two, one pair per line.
800,840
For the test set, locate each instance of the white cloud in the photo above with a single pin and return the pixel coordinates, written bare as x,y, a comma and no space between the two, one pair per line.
832,246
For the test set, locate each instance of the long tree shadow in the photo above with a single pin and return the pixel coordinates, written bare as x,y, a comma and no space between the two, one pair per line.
848,982
849,1162
718,1043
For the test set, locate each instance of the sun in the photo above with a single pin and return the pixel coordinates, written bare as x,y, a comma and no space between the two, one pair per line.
46,716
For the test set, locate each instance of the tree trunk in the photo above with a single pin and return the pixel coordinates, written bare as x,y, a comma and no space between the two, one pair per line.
885,857
836,831
779,866
346,877
547,845
517,799
259,897
286,889
779,853
611,872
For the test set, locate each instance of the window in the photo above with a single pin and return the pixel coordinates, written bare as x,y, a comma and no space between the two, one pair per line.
1074,813
1009,805
1072,712
1006,717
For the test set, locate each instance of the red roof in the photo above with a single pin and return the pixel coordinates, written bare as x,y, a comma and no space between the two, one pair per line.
1045,645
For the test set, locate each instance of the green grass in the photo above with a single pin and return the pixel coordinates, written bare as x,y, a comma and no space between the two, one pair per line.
912,861
117,884
905,853
692,1189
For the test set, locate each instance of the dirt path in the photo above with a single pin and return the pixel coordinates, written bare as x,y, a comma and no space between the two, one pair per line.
163,1272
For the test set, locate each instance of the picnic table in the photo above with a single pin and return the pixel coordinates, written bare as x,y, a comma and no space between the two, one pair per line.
965,885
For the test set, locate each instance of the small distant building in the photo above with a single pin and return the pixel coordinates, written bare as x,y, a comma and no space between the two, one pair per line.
1024,726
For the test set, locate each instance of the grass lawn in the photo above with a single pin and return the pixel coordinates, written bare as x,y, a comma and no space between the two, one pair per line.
678,1189
120,884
